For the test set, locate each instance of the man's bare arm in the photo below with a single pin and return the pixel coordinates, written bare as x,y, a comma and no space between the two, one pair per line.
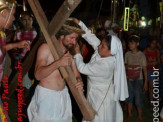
42,68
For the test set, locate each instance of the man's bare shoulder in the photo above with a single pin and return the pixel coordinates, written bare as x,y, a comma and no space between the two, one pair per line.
44,50
44,47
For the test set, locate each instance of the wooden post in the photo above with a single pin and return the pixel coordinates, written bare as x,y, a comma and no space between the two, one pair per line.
49,34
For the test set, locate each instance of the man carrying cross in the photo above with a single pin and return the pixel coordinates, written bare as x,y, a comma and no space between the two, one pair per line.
51,101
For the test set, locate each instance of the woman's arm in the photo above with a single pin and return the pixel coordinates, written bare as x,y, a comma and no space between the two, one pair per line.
98,68
88,36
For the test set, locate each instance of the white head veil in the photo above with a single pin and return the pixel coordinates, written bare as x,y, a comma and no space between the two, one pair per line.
120,82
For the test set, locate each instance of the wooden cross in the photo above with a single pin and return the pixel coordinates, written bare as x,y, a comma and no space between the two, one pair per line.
49,31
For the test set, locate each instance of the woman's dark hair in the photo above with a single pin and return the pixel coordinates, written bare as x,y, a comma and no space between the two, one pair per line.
26,13
108,40
98,30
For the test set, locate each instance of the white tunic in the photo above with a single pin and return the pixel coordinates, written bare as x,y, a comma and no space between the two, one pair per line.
100,79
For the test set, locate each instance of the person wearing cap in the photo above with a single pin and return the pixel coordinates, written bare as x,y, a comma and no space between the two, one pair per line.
51,101
106,76
114,29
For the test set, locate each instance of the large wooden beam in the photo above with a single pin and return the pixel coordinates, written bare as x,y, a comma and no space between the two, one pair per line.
86,109
26,66
66,9
43,23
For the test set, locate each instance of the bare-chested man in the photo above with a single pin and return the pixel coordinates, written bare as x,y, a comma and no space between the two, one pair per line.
51,101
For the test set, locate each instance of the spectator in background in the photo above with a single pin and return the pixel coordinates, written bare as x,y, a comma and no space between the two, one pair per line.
100,32
114,29
153,61
26,32
107,24
135,62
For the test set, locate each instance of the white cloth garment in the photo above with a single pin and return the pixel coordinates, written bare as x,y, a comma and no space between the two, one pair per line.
50,106
100,72
120,81
111,32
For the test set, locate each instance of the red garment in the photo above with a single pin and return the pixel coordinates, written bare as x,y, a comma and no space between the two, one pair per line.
2,52
25,35
133,71
151,57
88,51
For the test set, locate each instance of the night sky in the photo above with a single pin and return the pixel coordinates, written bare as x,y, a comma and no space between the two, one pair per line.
89,9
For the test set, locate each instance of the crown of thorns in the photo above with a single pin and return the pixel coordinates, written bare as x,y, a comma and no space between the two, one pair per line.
74,29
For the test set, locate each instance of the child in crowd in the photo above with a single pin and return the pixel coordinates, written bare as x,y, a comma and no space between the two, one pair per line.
153,61
135,62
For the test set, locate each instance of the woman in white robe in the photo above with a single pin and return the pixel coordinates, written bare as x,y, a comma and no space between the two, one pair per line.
105,88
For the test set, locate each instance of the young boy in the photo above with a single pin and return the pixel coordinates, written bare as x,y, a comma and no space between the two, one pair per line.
135,62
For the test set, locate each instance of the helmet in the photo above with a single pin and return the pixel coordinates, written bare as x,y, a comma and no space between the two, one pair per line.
7,4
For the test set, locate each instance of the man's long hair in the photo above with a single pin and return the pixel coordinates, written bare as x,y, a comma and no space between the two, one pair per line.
69,27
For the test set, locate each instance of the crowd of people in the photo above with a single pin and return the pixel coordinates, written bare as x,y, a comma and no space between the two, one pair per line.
119,66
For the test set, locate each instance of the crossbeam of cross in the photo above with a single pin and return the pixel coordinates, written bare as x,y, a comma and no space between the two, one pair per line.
49,30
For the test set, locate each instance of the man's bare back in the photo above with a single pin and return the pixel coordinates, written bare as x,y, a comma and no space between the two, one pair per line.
46,69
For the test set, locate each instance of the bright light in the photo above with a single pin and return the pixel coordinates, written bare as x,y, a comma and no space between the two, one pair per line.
143,23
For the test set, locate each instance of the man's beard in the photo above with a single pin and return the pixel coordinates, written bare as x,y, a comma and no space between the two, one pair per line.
71,49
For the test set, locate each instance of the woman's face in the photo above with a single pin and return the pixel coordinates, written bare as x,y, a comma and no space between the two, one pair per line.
27,22
103,49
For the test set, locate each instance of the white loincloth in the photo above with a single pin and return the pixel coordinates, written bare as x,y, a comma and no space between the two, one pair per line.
50,106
